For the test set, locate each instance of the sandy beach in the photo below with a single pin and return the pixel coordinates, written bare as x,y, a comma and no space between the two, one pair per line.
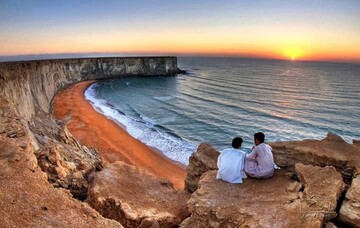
95,130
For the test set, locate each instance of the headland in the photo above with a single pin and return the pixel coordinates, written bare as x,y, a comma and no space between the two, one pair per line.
42,163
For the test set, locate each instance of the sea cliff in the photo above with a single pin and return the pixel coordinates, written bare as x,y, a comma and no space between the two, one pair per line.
42,163
31,83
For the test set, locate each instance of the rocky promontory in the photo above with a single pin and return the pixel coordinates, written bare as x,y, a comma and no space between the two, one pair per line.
317,185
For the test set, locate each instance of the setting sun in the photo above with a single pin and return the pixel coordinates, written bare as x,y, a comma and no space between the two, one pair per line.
293,53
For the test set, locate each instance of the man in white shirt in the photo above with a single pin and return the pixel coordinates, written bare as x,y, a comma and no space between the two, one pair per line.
231,163
260,162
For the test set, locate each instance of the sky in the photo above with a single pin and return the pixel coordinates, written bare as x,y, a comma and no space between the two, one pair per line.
321,30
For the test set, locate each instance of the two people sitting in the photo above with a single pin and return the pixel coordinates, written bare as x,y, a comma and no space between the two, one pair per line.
234,164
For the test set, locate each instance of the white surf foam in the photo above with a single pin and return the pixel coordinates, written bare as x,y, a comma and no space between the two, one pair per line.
153,121
163,98
177,149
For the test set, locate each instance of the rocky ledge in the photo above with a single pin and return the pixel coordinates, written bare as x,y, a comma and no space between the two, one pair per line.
137,198
332,150
311,190
276,202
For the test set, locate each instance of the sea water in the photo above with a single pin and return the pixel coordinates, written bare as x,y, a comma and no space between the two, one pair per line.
221,98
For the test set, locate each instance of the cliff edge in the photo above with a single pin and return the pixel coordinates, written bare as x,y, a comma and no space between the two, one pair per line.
317,186
44,168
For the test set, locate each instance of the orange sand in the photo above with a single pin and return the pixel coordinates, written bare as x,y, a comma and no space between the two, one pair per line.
113,142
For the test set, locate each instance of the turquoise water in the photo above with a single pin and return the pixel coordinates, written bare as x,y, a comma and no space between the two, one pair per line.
222,98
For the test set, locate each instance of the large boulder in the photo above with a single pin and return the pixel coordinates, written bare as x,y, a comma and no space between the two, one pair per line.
350,209
203,160
322,187
279,201
331,151
137,198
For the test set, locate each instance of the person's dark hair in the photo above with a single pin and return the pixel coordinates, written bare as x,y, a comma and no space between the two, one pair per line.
260,137
236,143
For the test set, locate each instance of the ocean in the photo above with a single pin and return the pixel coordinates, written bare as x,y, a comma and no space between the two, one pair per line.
221,98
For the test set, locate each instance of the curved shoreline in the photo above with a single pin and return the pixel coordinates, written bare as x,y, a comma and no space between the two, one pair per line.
95,130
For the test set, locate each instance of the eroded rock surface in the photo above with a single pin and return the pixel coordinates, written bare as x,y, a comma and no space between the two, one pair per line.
255,203
136,198
203,160
60,156
350,210
26,197
322,188
309,200
331,151
66,167
274,202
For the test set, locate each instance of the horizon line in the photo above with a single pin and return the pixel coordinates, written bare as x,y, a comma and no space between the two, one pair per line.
69,55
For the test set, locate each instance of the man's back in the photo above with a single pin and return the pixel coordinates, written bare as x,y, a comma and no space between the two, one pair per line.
231,164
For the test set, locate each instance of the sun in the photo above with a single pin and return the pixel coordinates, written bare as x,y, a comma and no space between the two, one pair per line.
292,53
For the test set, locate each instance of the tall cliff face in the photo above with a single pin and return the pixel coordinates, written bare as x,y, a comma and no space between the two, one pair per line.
38,155
26,85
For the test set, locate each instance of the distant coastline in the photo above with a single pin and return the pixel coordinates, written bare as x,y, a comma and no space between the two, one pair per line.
59,56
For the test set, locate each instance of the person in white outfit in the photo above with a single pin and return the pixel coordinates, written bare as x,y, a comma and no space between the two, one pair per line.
260,162
231,163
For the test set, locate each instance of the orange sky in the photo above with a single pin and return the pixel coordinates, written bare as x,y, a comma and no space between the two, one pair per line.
276,30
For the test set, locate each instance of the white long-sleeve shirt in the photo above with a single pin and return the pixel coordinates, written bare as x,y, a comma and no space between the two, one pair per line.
260,162
231,163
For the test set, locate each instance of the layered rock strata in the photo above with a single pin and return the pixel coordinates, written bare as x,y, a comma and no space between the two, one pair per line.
28,84
136,198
